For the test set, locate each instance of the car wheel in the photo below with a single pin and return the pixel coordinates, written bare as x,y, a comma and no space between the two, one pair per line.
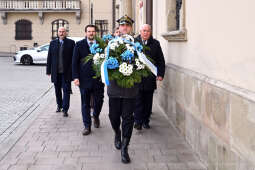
26,60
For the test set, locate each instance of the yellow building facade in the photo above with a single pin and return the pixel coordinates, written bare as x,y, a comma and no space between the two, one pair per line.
27,23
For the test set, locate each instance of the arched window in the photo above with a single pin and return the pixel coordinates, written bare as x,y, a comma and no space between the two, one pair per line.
56,24
23,30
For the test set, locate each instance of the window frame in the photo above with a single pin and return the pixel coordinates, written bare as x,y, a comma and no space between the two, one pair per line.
23,30
105,24
54,31
173,34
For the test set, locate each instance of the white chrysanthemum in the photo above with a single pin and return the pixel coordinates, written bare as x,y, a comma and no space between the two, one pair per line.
139,64
113,45
130,48
126,69
96,58
102,56
120,41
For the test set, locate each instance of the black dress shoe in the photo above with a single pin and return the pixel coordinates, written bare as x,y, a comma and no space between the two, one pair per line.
146,126
86,131
58,109
138,126
65,114
96,122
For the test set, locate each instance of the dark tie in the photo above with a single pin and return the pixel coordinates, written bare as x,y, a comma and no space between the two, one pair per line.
90,44
144,42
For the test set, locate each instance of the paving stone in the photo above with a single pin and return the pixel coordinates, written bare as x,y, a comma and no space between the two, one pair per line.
18,167
52,142
41,167
159,166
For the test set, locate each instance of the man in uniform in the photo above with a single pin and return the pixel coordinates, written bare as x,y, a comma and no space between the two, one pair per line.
122,103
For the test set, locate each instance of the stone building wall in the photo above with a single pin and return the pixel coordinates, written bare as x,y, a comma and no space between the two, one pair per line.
215,118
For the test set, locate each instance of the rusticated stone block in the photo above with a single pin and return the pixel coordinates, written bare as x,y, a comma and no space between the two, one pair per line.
179,84
192,131
172,87
243,125
197,98
166,83
226,158
180,118
188,89
203,140
217,111
212,154
162,99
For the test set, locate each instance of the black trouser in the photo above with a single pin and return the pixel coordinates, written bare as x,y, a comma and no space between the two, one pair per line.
122,108
98,100
143,106
65,85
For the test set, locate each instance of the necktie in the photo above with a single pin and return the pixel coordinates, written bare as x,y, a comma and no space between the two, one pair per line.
90,44
144,42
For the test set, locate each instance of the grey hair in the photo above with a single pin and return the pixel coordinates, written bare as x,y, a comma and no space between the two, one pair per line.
145,25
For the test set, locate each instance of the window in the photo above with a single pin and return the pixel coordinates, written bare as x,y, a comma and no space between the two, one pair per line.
102,26
45,47
176,30
56,24
23,30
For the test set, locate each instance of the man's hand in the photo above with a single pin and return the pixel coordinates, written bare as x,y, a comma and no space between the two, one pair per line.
76,82
159,78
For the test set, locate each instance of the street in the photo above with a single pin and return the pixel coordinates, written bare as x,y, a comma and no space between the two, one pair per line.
21,86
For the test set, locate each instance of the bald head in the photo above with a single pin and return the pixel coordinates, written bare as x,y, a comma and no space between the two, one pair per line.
61,32
145,31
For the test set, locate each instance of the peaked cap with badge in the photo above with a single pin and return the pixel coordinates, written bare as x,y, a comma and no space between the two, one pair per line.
125,20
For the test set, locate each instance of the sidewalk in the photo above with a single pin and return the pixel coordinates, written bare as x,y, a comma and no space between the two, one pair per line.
53,142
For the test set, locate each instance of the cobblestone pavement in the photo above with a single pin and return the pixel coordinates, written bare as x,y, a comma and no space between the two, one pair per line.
45,140
53,142
20,87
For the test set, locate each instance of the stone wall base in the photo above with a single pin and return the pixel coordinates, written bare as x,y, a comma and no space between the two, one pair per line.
215,118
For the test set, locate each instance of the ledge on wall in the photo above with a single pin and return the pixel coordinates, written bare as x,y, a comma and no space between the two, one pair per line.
175,36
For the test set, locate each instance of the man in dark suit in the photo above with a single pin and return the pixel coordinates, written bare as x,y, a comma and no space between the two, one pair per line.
59,67
83,77
145,97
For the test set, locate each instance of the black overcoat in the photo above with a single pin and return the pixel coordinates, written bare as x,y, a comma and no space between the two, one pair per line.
83,70
52,59
154,52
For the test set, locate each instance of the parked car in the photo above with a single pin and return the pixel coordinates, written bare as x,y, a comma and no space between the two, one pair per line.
36,55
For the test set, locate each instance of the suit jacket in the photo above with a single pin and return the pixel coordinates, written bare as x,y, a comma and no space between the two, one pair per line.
52,60
81,70
155,53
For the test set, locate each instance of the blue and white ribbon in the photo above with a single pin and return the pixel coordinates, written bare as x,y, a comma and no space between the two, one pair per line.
104,73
